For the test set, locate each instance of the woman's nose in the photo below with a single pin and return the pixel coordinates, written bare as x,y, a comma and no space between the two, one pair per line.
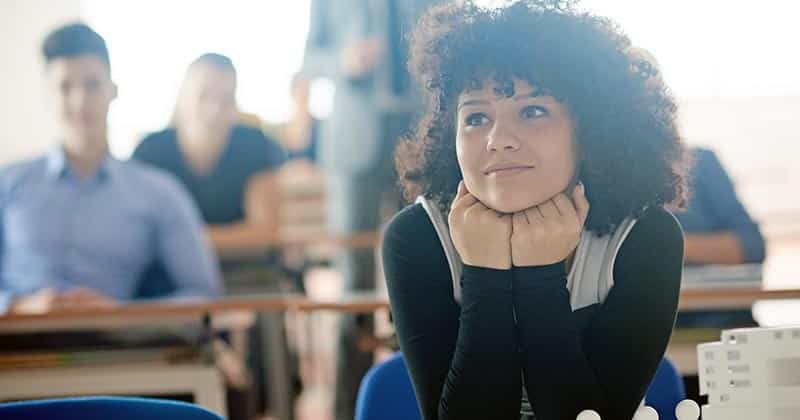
501,138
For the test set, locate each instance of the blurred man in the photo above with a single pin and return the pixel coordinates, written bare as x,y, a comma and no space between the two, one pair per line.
360,46
718,228
79,228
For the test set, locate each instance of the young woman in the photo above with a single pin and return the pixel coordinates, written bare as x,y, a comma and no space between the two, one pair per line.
229,168
538,273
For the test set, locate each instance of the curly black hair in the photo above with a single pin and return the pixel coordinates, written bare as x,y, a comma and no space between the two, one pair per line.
631,155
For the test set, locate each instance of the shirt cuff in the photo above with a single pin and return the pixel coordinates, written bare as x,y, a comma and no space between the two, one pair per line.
752,243
6,299
485,279
540,276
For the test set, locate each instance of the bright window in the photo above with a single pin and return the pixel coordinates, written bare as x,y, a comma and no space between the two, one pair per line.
152,42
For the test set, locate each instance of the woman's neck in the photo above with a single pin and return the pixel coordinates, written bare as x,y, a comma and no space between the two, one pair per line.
201,151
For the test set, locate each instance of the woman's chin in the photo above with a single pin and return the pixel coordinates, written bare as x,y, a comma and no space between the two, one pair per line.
512,206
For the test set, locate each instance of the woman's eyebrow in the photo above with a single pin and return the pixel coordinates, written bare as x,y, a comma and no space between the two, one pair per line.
536,93
472,102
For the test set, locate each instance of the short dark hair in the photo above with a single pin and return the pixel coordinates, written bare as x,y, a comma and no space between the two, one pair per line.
632,156
219,61
73,40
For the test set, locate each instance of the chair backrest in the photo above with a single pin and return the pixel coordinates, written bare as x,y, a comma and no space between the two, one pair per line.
103,408
666,390
386,393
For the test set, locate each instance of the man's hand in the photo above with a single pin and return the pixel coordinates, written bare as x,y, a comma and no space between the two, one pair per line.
35,303
362,57
82,298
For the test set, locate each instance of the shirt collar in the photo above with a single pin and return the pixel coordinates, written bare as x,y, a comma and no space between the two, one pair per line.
58,165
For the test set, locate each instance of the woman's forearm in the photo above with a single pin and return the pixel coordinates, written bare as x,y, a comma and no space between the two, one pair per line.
558,377
484,379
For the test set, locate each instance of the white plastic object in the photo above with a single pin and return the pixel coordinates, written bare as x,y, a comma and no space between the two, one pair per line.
687,410
646,413
588,415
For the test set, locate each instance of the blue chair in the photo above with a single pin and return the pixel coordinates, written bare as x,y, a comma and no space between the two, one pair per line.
103,408
386,393
666,390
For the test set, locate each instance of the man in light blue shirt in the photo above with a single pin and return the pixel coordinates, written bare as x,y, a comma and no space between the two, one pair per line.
79,228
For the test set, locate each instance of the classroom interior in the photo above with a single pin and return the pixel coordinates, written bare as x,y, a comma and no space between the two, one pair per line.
273,334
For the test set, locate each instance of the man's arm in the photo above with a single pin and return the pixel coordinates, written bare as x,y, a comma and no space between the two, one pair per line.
737,238
6,296
183,247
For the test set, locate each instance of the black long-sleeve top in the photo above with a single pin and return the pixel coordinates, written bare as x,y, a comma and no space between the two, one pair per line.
466,360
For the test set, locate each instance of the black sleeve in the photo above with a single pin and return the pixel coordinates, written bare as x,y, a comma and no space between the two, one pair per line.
609,365
464,362
150,149
262,153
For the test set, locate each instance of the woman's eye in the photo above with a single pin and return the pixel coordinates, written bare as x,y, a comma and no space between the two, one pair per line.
476,119
532,111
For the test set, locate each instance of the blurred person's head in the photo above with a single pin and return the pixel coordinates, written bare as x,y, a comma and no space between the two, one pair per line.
78,74
206,106
547,90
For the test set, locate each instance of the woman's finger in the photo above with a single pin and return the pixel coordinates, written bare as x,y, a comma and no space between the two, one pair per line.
518,221
581,203
464,202
463,198
462,189
533,215
565,207
549,210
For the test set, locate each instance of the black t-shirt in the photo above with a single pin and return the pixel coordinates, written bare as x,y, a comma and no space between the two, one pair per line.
465,360
220,193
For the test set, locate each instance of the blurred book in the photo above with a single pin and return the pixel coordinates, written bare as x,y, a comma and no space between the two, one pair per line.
16,360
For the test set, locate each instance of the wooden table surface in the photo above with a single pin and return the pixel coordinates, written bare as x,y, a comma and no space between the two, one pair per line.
159,312
144,312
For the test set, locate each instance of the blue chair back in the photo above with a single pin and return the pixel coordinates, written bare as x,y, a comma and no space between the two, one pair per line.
386,393
666,390
103,408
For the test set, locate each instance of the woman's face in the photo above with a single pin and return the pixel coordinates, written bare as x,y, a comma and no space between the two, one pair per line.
207,103
514,152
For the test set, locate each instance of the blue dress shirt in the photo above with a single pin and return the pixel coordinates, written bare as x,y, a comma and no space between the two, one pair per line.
714,206
59,231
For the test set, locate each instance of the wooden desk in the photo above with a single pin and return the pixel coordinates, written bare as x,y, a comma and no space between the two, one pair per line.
219,312
156,312
731,297
144,313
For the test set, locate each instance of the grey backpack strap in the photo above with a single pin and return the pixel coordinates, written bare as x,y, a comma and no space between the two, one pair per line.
443,232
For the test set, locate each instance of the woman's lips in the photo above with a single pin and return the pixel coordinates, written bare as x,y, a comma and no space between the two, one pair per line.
508,171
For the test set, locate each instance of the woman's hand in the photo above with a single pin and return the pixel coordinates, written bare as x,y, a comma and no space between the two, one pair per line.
482,236
548,233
